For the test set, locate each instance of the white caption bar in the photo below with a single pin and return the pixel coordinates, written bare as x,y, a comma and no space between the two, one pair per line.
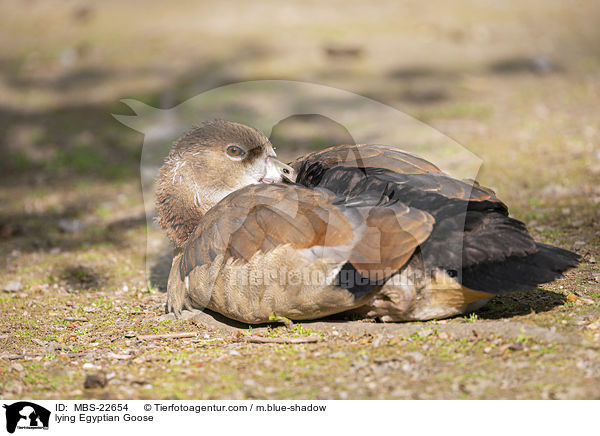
301,417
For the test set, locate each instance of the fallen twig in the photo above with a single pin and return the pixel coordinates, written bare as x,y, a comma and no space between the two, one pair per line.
75,319
12,356
74,354
264,340
176,335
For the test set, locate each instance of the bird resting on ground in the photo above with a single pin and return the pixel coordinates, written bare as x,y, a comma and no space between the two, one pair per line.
366,229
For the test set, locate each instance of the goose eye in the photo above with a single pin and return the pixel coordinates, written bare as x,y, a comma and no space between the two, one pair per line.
235,151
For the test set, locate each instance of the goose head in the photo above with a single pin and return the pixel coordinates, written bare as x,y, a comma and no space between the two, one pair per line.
207,164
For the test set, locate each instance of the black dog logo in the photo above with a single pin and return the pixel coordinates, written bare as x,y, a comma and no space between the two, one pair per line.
26,415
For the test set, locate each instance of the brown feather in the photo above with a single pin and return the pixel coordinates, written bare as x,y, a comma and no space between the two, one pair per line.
260,218
390,240
368,155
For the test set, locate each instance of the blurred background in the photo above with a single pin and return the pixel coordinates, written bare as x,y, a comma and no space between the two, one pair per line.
515,82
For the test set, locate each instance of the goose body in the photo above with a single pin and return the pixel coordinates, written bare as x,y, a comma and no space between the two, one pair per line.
363,228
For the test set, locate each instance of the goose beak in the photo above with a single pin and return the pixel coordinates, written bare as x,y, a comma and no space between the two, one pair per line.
277,170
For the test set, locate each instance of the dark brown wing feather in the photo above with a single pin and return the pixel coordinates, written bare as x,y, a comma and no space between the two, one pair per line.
259,218
312,167
368,155
473,235
464,233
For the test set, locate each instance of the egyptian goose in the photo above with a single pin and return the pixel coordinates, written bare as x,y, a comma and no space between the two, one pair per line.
363,228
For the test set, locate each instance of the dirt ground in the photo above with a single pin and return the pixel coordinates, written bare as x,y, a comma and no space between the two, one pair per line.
517,83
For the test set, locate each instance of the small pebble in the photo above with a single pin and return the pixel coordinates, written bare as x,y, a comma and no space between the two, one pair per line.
425,333
119,356
70,226
93,381
17,367
593,326
516,346
415,355
14,286
89,365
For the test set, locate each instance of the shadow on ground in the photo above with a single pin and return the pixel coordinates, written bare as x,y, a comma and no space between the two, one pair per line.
521,303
